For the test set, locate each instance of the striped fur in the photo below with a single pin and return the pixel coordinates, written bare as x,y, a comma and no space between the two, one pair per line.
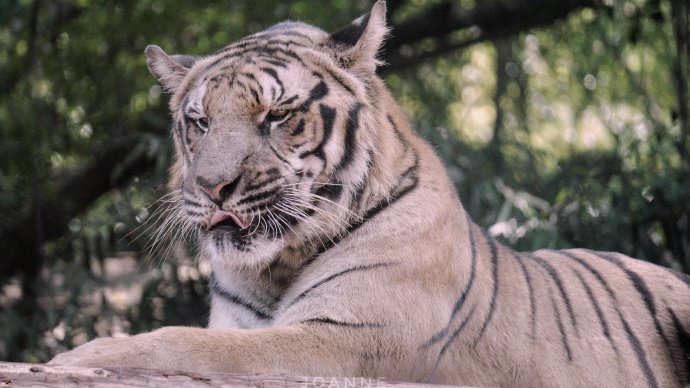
356,257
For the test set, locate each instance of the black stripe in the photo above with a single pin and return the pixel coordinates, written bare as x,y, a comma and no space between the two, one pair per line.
281,30
181,128
680,276
385,203
279,39
259,206
331,190
634,341
216,289
251,77
272,172
358,194
683,338
600,314
328,117
360,188
216,80
640,353
641,287
271,72
191,202
256,82
289,100
530,288
339,80
279,156
259,185
411,172
185,102
636,280
275,40
317,93
450,340
463,296
591,269
559,284
276,52
293,148
243,43
276,62
257,196
240,49
329,321
349,144
559,322
239,83
398,134
219,240
494,293
196,213
298,129
256,96
335,276
457,331
394,196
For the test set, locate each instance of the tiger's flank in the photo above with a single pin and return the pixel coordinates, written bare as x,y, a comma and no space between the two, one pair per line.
339,246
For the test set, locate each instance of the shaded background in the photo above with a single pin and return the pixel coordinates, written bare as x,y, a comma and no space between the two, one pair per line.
562,122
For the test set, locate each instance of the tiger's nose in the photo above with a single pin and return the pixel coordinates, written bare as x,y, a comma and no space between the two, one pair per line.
218,192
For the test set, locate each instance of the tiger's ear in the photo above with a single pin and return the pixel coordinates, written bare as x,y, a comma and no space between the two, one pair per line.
168,70
358,44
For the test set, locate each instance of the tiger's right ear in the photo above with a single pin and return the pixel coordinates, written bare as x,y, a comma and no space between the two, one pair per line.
168,70
357,45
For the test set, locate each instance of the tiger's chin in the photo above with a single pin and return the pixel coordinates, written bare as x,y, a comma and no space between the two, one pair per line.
234,247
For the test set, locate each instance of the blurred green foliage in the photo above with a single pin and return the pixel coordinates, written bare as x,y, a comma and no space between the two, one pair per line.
569,135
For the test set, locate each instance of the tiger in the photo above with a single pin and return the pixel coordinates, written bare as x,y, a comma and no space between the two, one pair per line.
339,247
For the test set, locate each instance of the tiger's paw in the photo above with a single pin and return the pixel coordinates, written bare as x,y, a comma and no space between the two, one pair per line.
98,352
141,351
104,352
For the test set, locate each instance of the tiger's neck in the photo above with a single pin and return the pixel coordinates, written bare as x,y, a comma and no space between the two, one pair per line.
385,167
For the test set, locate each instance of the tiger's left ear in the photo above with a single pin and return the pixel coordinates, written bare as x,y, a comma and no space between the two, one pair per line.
169,70
358,44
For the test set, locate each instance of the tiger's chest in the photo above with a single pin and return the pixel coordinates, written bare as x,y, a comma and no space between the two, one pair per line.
247,298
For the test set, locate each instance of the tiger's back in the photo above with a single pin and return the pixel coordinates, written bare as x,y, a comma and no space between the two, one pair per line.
339,247
568,318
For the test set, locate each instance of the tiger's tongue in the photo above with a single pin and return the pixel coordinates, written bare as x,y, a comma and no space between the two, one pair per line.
222,215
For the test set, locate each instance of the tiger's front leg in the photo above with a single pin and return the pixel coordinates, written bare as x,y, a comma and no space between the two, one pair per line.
297,350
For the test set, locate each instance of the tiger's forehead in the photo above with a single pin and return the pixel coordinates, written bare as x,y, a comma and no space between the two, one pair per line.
248,84
281,42
256,71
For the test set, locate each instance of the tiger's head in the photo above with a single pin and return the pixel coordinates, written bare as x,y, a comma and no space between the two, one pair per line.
269,142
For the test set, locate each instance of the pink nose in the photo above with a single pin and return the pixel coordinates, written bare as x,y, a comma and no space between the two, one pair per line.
218,192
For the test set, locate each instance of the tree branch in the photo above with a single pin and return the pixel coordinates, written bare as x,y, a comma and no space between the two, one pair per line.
485,21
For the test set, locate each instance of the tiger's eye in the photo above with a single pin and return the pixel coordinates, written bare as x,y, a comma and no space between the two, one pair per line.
277,114
202,123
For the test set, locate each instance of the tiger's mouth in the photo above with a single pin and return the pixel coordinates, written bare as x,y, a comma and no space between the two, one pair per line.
226,219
